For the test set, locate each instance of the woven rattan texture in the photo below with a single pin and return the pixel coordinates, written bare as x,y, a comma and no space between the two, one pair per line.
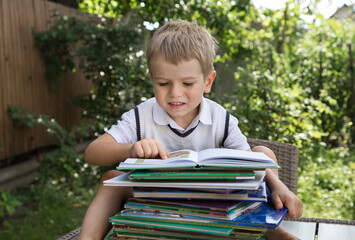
73,235
323,220
287,157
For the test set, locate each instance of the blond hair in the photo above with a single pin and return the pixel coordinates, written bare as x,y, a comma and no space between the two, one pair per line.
179,41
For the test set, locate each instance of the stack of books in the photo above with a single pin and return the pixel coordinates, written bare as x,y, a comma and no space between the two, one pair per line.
212,194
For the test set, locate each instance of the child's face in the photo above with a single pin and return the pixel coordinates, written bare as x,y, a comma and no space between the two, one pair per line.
179,88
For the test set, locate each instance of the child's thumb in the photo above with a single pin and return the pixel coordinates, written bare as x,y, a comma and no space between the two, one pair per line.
277,201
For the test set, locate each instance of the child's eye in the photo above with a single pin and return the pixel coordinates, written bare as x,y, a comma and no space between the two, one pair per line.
188,84
163,84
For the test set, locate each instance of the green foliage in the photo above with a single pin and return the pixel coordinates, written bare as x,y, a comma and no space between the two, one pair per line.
111,57
57,53
326,186
26,118
8,203
63,166
46,212
64,185
293,84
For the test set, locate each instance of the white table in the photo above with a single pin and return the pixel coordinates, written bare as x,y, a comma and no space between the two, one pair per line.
323,231
336,231
302,230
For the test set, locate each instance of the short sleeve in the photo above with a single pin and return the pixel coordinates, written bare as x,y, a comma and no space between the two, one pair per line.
235,139
125,131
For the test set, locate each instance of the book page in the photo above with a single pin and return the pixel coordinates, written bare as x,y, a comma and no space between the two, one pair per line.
176,156
224,153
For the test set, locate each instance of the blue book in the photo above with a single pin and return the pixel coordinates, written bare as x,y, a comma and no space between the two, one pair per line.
265,216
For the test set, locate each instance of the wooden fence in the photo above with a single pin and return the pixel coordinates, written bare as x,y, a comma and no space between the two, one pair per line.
22,77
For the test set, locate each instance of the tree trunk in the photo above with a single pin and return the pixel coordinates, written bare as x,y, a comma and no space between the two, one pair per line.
352,97
281,42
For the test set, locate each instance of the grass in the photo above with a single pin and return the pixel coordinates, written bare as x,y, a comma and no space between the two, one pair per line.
48,212
45,216
44,224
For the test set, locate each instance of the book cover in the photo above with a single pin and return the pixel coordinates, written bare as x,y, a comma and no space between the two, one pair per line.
190,174
166,193
265,216
152,232
143,215
222,206
238,210
253,184
175,226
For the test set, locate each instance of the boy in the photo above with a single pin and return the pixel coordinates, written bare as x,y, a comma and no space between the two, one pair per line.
180,60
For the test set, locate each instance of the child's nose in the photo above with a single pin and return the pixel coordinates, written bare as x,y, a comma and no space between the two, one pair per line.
175,91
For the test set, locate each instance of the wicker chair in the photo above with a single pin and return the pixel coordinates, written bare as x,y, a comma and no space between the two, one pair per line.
287,157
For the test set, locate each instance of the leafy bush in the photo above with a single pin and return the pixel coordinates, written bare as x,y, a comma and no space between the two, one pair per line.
111,57
8,203
61,168
326,185
63,183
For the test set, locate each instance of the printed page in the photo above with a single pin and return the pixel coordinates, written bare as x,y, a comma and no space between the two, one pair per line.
181,158
176,156
224,153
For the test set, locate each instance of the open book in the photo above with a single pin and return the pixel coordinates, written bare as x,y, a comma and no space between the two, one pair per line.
213,157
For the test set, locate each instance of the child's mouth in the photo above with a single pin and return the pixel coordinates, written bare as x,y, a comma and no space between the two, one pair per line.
176,105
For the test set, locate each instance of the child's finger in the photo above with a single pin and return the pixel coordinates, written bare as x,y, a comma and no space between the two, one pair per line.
154,150
300,208
296,211
277,201
162,152
147,150
137,150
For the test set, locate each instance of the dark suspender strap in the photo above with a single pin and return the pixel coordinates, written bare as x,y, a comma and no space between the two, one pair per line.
138,125
183,134
226,126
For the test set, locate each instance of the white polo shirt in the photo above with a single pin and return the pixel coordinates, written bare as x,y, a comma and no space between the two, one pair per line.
213,127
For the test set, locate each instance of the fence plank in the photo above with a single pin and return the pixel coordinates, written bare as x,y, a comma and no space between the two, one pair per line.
22,77
2,69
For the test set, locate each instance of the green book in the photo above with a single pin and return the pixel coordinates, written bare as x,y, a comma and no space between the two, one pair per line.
157,233
252,184
190,174
167,225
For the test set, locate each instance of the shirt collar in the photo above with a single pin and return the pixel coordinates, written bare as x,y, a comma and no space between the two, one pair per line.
160,117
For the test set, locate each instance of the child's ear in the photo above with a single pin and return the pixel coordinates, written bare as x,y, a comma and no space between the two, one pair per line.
209,80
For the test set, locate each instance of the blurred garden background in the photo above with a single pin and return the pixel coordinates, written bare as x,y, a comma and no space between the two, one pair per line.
286,74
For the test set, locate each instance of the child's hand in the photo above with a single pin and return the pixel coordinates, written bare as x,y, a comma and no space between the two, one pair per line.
148,148
284,197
